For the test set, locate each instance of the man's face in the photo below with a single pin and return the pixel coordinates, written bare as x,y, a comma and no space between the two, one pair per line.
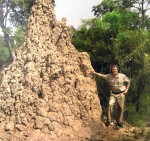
115,70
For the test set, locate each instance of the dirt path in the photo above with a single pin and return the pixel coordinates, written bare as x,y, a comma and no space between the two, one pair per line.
127,133
99,133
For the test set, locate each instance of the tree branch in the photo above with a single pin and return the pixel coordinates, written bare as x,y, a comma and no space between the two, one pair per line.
139,3
147,5
6,15
148,9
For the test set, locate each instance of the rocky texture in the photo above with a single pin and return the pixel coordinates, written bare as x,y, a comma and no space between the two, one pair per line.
49,89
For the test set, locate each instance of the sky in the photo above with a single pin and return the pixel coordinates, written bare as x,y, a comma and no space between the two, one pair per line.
75,10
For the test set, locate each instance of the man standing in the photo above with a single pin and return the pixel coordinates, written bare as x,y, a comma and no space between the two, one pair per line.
119,85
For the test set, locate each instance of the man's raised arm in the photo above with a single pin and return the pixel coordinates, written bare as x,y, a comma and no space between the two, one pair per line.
100,75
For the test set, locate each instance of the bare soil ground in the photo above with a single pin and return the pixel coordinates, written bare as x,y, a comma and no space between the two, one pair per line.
99,133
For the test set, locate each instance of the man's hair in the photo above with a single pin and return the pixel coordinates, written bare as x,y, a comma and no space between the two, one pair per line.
113,66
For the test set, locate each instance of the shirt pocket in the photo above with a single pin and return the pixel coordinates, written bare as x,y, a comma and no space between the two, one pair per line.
119,83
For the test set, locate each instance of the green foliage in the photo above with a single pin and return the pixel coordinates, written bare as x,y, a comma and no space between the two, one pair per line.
122,20
131,49
104,7
141,7
138,118
4,55
99,37
148,135
18,37
20,10
17,40
107,6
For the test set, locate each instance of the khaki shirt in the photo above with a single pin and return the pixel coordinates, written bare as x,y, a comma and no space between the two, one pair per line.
117,83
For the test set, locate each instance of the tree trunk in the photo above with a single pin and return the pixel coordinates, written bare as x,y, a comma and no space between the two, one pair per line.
143,14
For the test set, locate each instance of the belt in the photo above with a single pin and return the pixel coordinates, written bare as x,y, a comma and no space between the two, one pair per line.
117,92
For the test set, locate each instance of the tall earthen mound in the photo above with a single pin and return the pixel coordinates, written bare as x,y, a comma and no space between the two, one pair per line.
48,92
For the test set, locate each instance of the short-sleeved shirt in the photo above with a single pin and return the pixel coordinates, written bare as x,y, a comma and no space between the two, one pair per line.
117,83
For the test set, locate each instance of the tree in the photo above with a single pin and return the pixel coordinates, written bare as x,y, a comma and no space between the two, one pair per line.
104,7
111,5
140,6
98,36
9,12
3,17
